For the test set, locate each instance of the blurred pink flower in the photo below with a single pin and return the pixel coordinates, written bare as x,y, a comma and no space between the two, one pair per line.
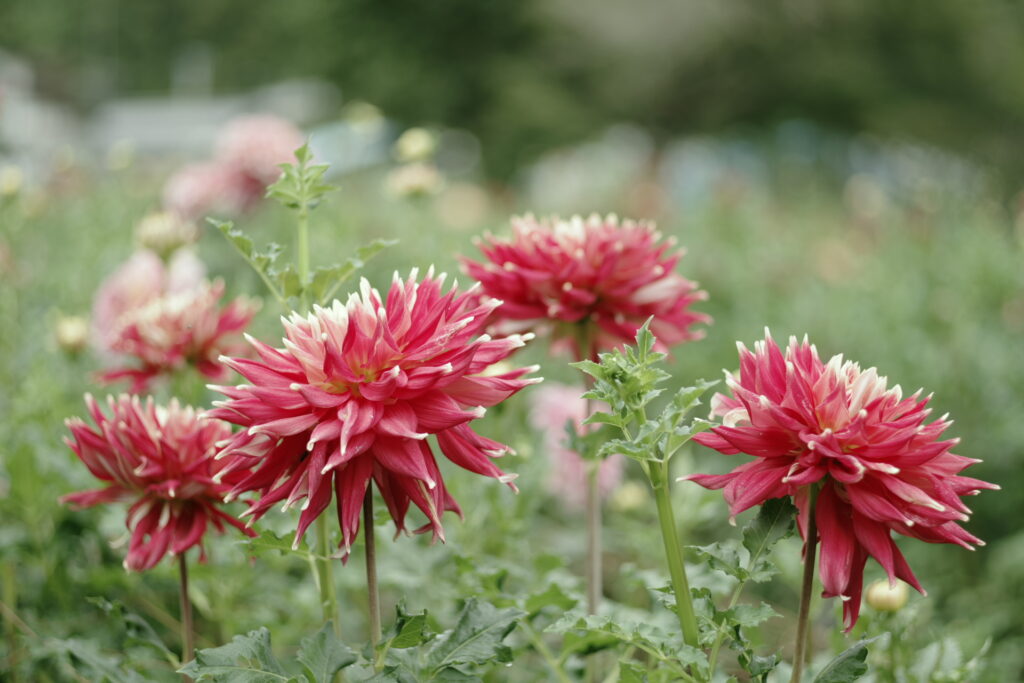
588,282
553,405
176,330
162,459
256,145
138,281
211,187
354,394
881,466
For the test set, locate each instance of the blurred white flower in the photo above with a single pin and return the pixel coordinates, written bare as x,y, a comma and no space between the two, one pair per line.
415,144
417,179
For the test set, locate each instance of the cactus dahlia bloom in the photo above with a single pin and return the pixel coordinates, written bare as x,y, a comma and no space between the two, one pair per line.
162,459
177,330
353,396
881,465
591,283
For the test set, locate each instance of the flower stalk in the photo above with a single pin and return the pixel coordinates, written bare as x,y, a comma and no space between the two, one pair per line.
373,594
592,503
324,569
187,629
802,621
657,472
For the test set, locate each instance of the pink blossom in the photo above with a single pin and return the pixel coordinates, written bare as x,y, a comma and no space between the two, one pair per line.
590,283
256,146
211,187
881,465
354,394
161,458
554,405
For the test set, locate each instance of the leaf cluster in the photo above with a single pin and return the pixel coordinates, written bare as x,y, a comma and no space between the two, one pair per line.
410,651
283,281
627,381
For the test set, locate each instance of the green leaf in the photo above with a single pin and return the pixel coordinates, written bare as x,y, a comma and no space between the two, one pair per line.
848,666
476,639
322,655
268,541
301,184
137,629
409,630
723,556
246,659
775,520
327,279
288,282
553,596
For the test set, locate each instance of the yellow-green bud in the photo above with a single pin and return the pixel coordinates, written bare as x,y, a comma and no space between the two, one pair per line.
885,598
71,333
415,144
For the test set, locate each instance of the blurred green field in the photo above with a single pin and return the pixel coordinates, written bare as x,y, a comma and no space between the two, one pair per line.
933,296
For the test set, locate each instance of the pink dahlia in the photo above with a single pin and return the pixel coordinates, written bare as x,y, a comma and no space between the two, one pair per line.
257,145
210,187
175,331
881,465
554,405
354,394
591,283
162,459
138,281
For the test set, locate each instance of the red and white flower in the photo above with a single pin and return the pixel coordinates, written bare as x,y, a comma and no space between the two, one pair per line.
162,459
880,464
353,395
590,283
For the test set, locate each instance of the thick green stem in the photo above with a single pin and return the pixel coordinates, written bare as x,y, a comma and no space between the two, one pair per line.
325,575
595,580
371,567
303,254
802,621
658,473
187,630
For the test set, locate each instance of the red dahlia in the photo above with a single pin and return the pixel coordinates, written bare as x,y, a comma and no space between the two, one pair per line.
881,465
161,458
590,283
353,396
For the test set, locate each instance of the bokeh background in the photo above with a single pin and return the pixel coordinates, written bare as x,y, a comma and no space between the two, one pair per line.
850,170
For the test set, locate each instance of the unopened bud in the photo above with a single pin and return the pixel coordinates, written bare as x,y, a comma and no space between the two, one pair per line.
630,496
415,144
885,598
71,333
164,233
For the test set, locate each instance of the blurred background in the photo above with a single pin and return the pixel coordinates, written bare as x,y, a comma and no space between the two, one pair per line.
849,169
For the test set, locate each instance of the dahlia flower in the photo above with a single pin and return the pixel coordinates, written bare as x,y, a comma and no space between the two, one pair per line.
257,145
591,283
199,189
173,331
354,394
881,465
553,406
138,281
162,459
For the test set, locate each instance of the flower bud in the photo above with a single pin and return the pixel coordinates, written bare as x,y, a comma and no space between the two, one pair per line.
164,233
415,144
71,333
414,180
11,180
887,598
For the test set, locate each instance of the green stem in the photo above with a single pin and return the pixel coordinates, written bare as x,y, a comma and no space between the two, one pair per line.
371,567
325,575
658,473
303,254
802,621
545,652
713,657
187,630
593,511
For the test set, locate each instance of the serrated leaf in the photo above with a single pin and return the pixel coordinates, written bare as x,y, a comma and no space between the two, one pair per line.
137,629
723,556
288,282
774,521
477,636
553,596
749,616
322,655
848,666
631,673
327,279
246,659
269,541
409,630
